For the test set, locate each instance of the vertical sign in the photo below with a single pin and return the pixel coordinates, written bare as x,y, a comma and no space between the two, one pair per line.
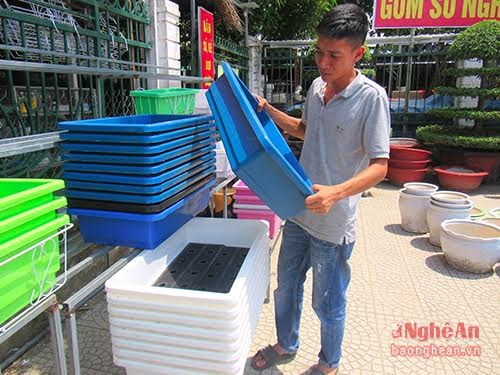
206,44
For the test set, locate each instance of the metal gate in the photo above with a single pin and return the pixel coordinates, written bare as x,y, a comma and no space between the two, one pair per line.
408,67
64,60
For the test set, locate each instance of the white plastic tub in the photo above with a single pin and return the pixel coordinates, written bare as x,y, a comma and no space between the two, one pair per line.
158,330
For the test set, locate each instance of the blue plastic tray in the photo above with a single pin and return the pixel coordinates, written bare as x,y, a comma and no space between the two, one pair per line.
135,124
139,160
135,138
144,231
137,198
118,185
257,152
141,179
115,148
141,169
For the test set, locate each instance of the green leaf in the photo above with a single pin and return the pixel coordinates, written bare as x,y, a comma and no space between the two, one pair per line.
464,113
480,41
454,137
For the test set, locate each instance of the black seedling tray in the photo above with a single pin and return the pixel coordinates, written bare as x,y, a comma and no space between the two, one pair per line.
204,267
135,207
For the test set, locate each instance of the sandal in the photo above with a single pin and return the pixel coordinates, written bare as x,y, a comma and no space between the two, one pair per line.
316,371
271,358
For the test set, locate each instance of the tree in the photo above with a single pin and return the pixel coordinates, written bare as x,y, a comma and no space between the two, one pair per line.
288,19
481,41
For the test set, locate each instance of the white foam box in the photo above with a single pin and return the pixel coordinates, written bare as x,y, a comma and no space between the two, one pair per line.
158,330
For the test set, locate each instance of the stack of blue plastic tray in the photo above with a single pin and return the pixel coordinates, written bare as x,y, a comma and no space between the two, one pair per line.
135,180
257,152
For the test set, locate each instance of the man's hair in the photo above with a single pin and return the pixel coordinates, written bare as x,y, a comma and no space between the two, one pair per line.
345,21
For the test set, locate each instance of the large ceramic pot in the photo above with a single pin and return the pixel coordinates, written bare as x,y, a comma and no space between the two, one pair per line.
420,188
471,246
408,153
400,176
436,215
485,161
404,142
492,220
459,178
454,197
413,211
409,164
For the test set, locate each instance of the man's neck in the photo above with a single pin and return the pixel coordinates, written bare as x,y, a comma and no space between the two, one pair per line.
335,88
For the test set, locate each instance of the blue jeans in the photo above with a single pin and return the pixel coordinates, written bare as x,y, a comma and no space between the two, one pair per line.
331,275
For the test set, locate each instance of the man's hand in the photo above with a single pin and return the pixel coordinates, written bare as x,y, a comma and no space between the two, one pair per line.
262,102
324,198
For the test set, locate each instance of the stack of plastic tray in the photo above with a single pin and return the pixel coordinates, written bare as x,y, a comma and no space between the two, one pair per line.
162,325
249,206
134,180
255,148
28,216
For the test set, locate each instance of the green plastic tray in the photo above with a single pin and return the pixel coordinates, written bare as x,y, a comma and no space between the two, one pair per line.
24,278
21,194
164,101
25,221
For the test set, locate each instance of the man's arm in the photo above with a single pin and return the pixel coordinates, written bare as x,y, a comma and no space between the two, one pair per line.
292,125
326,196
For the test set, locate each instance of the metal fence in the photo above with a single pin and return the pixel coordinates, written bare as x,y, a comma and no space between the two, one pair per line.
64,60
408,67
233,53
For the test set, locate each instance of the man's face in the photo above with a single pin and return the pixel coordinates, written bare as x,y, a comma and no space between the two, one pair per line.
336,58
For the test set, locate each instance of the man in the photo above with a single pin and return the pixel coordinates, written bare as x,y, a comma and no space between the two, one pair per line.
345,127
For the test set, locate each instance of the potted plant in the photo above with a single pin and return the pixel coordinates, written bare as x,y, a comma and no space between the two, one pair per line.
478,146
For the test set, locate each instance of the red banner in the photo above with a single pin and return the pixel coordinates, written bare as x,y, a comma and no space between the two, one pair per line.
206,44
433,13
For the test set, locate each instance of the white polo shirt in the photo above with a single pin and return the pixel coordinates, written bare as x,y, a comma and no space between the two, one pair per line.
340,139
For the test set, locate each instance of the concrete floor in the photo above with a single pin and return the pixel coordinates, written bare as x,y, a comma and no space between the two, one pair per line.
397,278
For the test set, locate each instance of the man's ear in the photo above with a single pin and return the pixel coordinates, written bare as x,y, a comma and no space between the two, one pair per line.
360,51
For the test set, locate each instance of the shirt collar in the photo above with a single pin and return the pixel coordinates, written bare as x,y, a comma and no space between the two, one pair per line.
350,90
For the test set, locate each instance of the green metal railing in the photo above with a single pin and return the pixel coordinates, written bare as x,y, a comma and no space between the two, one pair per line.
233,53
79,58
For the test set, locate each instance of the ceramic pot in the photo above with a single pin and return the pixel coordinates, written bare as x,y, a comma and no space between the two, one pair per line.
403,142
408,153
420,188
470,246
413,211
447,196
436,215
459,178
400,176
452,206
492,220
477,213
409,164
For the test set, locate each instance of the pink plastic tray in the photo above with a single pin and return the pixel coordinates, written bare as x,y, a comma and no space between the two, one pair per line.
248,199
269,216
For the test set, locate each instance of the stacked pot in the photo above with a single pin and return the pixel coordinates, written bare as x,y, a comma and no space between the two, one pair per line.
413,203
445,205
407,163
423,208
